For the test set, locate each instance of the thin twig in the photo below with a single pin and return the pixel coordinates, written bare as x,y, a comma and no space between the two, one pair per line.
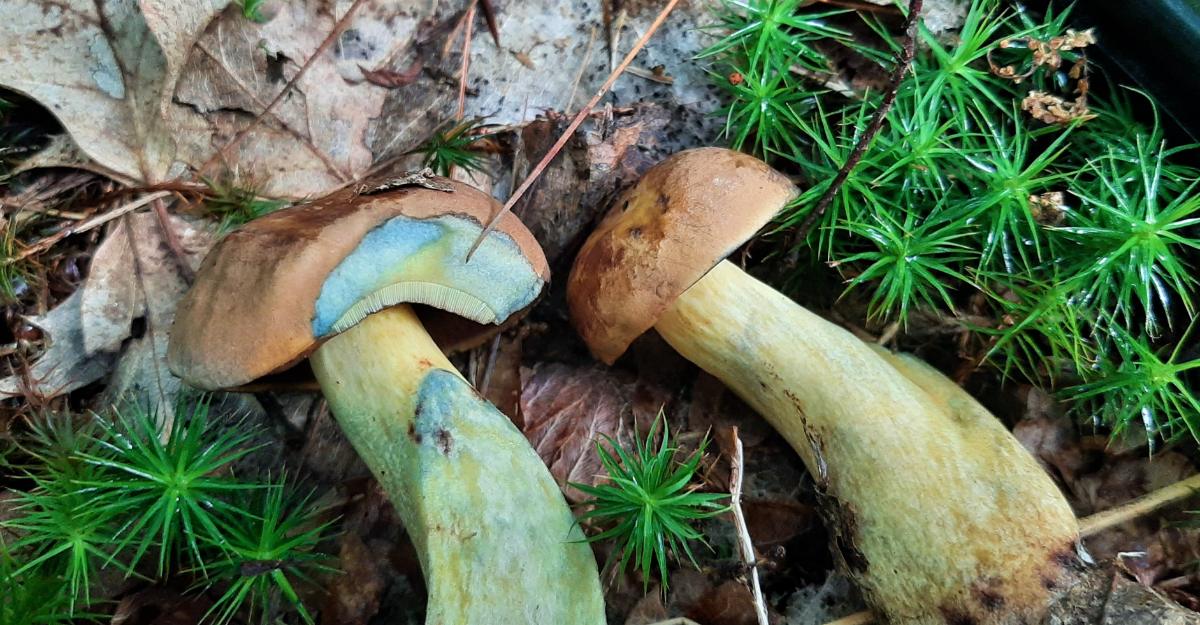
172,241
1139,507
739,519
903,60
1096,523
570,131
237,139
489,16
493,351
858,618
466,62
889,333
587,58
83,226
614,38
453,35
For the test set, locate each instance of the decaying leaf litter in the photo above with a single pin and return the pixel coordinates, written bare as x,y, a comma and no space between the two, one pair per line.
180,94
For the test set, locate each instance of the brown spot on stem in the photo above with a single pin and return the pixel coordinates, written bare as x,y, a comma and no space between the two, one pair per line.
413,433
955,616
988,595
424,363
444,441
855,559
842,521
1066,558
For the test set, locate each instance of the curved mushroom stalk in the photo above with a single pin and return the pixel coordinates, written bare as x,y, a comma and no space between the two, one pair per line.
332,281
495,537
935,509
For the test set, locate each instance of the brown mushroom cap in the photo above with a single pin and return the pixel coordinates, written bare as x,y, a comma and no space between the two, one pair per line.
683,217
253,309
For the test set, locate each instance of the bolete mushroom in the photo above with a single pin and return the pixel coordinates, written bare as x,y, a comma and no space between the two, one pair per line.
934,509
332,281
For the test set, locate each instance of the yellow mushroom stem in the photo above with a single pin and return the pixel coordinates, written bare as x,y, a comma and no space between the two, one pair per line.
496,540
933,507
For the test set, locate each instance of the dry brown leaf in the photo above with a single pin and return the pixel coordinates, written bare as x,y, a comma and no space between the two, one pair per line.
160,606
65,365
566,411
105,73
775,522
1098,474
354,595
176,81
647,611
133,276
1049,435
710,601
144,266
391,78
146,89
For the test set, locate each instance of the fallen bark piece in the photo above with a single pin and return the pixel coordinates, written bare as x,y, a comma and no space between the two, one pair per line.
935,510
335,281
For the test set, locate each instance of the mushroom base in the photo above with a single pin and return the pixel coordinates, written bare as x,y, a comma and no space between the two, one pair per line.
496,540
933,507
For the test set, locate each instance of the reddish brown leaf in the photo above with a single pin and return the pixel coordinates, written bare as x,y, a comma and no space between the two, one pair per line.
566,410
159,606
392,79
648,611
694,594
713,407
354,595
1049,436
774,522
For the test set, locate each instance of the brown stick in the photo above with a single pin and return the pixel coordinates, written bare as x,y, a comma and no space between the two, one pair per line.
237,139
489,16
466,62
582,115
88,224
858,618
172,241
903,59
1141,506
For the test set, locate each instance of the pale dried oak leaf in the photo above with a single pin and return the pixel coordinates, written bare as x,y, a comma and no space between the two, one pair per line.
152,88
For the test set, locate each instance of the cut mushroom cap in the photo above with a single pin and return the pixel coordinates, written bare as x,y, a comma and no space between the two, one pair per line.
271,292
933,508
686,214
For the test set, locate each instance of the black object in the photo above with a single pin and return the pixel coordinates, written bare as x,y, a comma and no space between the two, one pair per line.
1155,44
